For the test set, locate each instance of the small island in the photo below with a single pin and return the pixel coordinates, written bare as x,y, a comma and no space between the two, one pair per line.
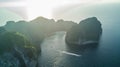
86,32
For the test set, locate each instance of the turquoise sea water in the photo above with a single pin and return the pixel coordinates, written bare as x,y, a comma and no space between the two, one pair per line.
55,52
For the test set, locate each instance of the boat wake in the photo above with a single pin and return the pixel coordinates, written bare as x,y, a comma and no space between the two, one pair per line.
69,53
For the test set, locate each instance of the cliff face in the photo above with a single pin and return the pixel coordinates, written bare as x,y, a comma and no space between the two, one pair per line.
24,50
87,31
16,50
39,28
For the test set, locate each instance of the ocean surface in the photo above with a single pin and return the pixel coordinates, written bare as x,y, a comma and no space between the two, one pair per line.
55,52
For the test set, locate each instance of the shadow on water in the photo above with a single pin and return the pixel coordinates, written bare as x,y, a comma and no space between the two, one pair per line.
80,49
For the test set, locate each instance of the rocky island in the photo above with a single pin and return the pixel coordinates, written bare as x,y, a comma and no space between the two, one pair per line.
86,32
20,41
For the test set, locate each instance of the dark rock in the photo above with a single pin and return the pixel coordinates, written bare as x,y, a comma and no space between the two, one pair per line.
17,51
86,32
13,45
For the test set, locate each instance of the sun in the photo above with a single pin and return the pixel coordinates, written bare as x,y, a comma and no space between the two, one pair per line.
45,7
39,8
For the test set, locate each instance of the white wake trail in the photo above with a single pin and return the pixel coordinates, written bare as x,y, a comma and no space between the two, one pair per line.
69,53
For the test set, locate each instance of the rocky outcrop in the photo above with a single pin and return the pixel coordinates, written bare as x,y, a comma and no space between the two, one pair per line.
39,28
13,45
86,32
16,50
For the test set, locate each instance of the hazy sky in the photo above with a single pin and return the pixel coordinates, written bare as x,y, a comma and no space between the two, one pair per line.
106,11
33,8
10,0
45,7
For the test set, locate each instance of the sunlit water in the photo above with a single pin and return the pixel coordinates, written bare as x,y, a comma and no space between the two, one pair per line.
55,53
